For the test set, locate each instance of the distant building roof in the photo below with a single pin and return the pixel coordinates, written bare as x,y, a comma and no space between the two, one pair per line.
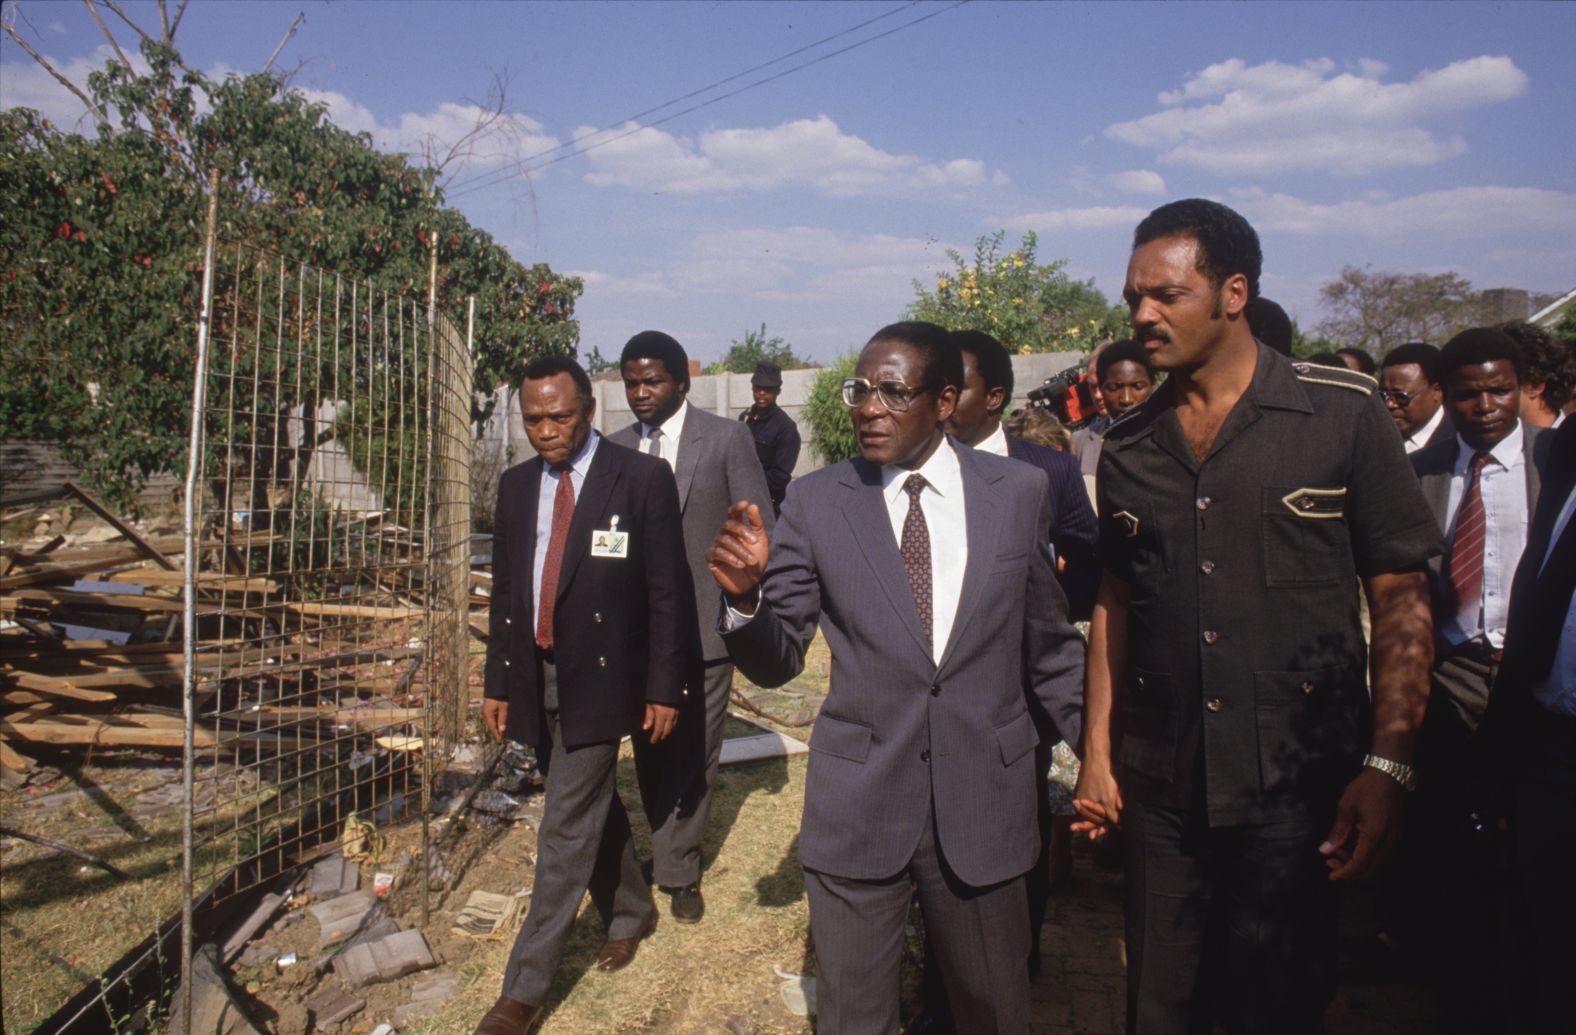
1550,315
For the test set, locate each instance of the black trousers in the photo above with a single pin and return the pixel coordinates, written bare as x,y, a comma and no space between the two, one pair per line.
677,778
1545,832
1232,926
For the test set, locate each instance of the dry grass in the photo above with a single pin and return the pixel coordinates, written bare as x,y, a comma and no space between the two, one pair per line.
688,978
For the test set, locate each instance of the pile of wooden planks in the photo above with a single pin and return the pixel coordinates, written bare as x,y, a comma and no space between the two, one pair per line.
91,652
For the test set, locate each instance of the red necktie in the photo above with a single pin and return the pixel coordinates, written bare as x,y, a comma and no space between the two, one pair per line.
1464,567
915,551
563,514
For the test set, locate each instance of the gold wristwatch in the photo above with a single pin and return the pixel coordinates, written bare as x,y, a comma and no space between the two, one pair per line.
1404,775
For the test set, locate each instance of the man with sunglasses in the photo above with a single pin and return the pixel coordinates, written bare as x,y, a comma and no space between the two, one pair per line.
926,566
1409,386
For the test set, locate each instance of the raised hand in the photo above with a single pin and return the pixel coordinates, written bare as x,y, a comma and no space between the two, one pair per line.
737,558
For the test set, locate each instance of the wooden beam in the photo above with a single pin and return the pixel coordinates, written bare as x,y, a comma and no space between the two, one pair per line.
51,686
76,729
154,554
14,760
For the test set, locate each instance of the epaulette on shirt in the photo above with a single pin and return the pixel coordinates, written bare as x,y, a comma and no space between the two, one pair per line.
1340,377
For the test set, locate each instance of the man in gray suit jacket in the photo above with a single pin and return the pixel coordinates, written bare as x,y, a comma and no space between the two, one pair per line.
926,566
1482,485
715,462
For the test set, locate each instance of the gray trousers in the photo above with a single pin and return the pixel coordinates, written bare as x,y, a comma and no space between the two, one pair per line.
676,781
583,844
978,938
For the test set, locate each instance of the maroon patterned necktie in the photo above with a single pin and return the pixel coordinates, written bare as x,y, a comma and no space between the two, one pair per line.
1464,568
915,551
563,514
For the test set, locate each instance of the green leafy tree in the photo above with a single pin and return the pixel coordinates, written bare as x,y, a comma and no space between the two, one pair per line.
101,245
1027,305
827,414
742,356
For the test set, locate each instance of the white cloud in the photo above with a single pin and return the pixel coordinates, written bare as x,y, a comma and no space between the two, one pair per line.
27,85
1138,181
417,134
817,246
1093,217
812,153
1248,119
1490,213
641,285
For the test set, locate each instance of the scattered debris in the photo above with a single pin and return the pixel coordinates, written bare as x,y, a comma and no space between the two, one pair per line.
215,1010
331,1004
333,875
339,918
386,959
486,915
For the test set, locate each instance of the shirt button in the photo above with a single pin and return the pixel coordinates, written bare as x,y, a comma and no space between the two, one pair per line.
596,616
1208,567
1203,502
508,621
1214,704
505,662
924,756
1307,686
1210,636
602,662
935,690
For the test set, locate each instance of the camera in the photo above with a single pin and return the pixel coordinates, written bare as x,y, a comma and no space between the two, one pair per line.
1069,395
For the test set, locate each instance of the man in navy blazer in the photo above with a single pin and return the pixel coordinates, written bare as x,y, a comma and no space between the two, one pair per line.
925,564
976,422
589,641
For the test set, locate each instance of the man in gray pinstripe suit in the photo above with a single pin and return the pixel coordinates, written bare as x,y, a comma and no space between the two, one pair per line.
925,564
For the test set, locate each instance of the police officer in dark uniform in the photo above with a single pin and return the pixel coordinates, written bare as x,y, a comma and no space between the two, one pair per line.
1228,710
776,435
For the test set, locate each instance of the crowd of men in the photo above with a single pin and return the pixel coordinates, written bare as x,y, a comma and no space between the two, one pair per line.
1309,591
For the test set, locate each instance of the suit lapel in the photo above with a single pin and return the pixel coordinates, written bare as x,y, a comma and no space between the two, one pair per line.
982,516
594,494
1436,486
1529,454
691,443
867,518
530,496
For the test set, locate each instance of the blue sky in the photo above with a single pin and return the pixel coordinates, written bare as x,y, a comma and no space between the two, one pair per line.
1412,137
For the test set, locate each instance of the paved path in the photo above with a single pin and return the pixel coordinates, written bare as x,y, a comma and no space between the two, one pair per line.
1082,982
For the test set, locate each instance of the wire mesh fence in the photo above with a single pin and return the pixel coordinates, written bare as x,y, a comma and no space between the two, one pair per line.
331,537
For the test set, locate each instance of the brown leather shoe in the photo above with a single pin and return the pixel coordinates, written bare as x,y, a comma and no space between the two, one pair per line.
617,952
509,1017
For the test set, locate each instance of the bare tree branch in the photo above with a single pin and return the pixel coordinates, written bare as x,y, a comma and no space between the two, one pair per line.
113,6
299,18
164,21
97,113
169,33
107,34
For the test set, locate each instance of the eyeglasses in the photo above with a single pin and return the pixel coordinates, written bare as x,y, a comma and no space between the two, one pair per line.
1397,396
894,395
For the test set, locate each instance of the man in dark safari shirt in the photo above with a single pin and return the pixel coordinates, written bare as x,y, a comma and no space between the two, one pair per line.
776,435
1227,701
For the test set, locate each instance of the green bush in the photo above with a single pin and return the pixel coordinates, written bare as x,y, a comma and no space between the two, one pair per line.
834,439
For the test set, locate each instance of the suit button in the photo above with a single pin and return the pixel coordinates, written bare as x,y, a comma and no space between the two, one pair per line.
1203,502
1214,704
1210,636
924,756
1307,686
935,690
505,662
596,616
602,662
1207,567
508,621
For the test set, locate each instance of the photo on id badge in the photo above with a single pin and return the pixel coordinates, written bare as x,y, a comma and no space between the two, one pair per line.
609,541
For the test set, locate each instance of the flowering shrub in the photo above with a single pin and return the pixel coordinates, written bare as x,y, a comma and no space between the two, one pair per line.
1029,307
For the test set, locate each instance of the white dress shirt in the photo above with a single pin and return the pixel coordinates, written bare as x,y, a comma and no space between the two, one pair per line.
1558,692
995,442
1419,438
672,431
1503,486
546,495
942,505
947,524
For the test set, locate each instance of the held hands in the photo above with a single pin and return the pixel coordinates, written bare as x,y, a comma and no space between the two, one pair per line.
1097,800
737,558
1367,822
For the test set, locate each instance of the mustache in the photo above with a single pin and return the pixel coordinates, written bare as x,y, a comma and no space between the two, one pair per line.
1152,334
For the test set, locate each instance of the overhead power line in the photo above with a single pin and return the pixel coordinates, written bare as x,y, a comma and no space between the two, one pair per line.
570,149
